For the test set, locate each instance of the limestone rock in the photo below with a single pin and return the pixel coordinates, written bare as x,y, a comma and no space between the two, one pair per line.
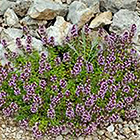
59,137
4,5
101,19
123,20
79,13
110,128
11,18
22,7
46,9
11,33
59,31
30,22
116,5
92,4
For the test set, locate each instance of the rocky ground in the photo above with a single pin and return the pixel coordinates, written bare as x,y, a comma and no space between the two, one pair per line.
122,130
58,17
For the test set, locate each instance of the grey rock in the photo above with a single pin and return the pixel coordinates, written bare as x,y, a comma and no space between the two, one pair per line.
59,31
79,13
92,4
100,132
59,137
123,20
110,128
4,5
22,7
11,18
30,22
46,9
116,5
100,20
80,138
11,33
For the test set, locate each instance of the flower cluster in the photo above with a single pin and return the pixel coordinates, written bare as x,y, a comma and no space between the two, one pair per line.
72,87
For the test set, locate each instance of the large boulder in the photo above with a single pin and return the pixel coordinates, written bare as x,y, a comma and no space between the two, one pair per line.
11,33
4,5
21,7
59,31
46,9
116,5
10,17
100,20
79,13
92,4
123,20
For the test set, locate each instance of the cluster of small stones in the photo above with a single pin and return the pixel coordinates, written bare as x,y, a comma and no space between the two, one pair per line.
121,130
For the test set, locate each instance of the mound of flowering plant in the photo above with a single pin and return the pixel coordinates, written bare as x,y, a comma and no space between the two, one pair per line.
78,86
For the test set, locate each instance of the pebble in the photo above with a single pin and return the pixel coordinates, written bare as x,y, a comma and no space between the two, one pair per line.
111,128
126,130
59,137
81,138
88,138
100,132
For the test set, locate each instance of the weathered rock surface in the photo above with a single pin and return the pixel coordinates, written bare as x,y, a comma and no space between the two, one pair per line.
79,13
22,7
92,4
46,10
101,19
59,31
11,33
4,5
116,5
11,18
30,22
123,20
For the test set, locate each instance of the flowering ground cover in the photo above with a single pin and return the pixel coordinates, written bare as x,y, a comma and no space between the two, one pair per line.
78,86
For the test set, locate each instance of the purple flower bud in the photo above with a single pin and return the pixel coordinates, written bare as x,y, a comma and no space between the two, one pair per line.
74,31
89,67
63,83
51,113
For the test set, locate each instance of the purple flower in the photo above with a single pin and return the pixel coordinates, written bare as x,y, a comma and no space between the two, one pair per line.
7,111
14,106
17,91
41,30
51,112
51,41
23,123
63,83
86,117
131,114
70,112
18,42
53,78
79,109
36,132
66,57
42,84
90,129
126,89
74,31
86,29
54,87
89,67
79,89
2,102
34,108
58,60
67,93
4,43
